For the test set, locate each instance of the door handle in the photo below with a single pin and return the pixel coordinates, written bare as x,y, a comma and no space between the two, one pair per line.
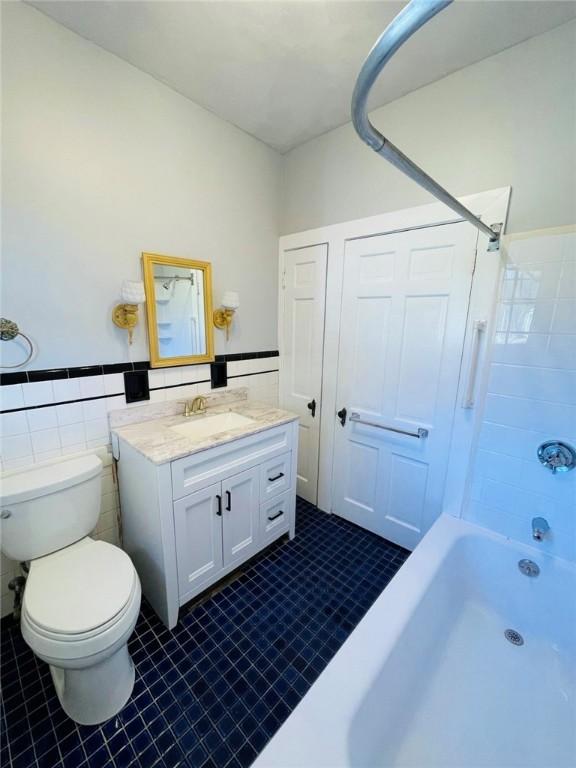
312,407
274,517
228,501
219,510
276,477
342,416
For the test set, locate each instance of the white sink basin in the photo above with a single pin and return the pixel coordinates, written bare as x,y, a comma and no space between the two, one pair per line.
205,426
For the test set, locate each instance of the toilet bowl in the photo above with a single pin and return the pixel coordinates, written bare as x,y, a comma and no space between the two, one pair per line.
82,597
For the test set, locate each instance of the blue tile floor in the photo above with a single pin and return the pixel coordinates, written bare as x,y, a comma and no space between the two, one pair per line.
213,691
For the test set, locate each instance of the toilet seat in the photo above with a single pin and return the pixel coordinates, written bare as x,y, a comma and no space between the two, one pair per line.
79,588
80,600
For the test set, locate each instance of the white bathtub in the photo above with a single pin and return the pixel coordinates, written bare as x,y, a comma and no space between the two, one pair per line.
428,677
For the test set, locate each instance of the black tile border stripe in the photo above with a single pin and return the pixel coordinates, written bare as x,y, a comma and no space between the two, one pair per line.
50,374
256,373
121,394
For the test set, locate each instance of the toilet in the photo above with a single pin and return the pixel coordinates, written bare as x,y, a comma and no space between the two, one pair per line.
82,596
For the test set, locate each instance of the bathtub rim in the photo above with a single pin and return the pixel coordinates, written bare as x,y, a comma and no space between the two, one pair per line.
316,732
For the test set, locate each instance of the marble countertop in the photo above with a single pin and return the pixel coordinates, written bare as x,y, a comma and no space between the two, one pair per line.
155,439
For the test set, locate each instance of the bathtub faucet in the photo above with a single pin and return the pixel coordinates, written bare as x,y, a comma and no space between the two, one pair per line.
540,528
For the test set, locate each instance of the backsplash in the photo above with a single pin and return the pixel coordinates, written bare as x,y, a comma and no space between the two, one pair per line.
41,420
530,397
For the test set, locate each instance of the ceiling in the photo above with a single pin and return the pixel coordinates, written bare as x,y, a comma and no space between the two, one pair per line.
284,71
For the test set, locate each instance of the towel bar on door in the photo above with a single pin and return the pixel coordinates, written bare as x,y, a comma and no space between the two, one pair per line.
420,432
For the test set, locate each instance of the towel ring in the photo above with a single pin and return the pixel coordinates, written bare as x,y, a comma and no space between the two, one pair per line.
8,332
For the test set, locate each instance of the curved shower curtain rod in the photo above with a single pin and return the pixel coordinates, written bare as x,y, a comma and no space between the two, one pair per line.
408,21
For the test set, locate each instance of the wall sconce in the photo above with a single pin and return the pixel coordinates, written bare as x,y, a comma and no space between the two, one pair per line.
126,315
223,317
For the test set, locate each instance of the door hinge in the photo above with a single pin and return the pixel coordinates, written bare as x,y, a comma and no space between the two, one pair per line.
284,280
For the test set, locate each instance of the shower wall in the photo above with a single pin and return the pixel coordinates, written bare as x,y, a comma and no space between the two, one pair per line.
530,395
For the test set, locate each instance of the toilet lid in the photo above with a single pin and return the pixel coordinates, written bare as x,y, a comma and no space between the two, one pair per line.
79,588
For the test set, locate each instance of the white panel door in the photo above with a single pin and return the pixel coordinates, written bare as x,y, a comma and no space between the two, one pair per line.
198,529
403,320
241,512
303,332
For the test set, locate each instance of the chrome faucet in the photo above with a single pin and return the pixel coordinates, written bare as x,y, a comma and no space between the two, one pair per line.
196,406
540,528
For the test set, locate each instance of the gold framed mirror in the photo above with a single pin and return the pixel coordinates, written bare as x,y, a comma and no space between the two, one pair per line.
178,310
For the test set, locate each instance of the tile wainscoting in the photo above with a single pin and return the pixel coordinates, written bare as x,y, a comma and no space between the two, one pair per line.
44,418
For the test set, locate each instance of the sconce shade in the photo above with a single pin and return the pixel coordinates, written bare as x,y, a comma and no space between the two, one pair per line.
230,300
133,292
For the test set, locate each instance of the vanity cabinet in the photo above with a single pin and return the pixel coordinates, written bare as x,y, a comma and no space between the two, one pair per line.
187,523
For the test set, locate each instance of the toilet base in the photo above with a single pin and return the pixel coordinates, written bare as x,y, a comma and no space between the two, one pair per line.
92,694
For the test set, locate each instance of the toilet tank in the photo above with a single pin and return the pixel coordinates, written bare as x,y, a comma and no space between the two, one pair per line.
47,507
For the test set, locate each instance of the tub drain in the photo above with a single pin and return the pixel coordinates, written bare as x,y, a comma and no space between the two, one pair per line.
514,637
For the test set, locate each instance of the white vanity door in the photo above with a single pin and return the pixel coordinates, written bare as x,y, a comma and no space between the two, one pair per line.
198,529
241,505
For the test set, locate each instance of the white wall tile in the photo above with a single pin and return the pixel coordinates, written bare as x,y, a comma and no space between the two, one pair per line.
47,455
71,413
23,461
156,378
13,423
564,317
114,383
188,392
157,395
41,418
115,403
11,396
66,389
96,429
531,398
567,287
532,382
73,447
94,409
72,434
38,393
45,440
91,386
554,418
172,376
16,447
195,373
521,349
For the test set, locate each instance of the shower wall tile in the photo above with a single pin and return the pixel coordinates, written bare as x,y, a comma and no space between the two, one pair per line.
11,396
530,398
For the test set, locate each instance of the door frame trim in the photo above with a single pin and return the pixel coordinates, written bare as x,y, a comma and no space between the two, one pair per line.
491,206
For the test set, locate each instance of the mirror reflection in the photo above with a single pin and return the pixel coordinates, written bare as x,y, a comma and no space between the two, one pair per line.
178,307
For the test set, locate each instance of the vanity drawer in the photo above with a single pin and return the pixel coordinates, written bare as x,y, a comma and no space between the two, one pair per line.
275,517
203,468
275,476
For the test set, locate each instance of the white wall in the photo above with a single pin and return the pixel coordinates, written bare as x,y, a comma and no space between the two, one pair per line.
102,162
531,396
508,120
